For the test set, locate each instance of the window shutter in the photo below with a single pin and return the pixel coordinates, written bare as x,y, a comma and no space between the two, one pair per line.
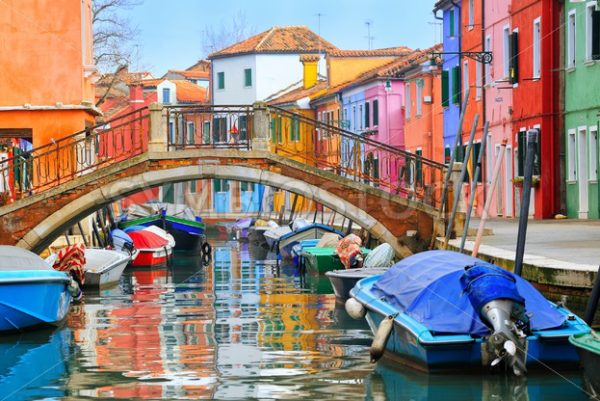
273,136
596,35
514,57
419,168
217,185
367,114
456,85
445,89
375,112
451,18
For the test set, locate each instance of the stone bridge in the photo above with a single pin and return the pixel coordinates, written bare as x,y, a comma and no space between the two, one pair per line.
35,220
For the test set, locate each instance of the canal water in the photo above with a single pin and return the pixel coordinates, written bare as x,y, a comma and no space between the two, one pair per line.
240,327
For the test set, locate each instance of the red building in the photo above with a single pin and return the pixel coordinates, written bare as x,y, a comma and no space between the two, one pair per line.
534,61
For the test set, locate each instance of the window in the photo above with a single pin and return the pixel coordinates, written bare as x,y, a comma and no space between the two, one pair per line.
248,77
522,154
471,13
593,146
193,187
166,95
445,89
451,22
220,185
206,132
447,155
354,124
419,97
592,27
571,39
191,132
171,132
367,115
220,80
474,159
245,186
478,83
375,113
243,126
488,66
506,58
419,168
456,85
571,148
219,130
514,57
465,78
407,101
537,37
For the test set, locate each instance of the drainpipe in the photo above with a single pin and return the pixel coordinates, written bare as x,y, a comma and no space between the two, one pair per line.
483,88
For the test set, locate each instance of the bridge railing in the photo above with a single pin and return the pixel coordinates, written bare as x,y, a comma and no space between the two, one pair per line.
356,156
44,167
208,126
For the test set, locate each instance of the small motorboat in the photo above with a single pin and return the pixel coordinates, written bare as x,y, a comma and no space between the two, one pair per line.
588,346
122,242
32,294
240,228
317,261
102,266
442,310
344,280
154,247
286,242
273,235
187,229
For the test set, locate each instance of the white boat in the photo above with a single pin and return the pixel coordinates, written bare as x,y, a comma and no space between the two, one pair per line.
102,266
273,235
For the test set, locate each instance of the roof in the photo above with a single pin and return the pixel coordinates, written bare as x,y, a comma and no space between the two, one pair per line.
188,92
279,39
298,93
386,52
190,74
201,65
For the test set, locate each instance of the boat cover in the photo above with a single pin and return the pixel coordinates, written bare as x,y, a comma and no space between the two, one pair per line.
427,287
382,256
71,260
315,226
15,258
241,224
350,252
144,239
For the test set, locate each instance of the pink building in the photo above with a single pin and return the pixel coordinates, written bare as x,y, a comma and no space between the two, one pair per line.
498,104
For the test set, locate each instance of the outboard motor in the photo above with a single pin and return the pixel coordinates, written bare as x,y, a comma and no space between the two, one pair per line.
493,293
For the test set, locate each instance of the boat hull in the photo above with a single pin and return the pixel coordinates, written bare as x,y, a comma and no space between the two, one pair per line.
413,344
588,346
188,235
152,257
46,304
286,243
343,281
107,274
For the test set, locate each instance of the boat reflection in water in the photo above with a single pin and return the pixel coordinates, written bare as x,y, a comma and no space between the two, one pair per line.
33,365
388,382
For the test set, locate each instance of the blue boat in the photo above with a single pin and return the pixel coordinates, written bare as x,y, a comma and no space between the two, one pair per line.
286,242
442,310
32,294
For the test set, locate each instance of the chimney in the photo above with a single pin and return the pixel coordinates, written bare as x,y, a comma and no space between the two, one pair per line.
136,93
310,62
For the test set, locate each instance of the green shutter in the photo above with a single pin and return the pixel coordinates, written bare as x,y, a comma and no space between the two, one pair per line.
445,89
248,77
419,168
595,35
193,186
296,128
221,80
375,112
447,155
217,185
279,130
456,85
273,132
243,186
451,18
367,115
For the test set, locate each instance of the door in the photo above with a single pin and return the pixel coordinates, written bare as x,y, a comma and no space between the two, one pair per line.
582,174
508,194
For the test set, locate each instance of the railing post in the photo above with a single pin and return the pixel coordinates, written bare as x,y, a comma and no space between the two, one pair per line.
260,127
158,128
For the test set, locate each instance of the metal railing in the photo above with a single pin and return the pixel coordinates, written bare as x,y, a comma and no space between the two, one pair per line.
206,126
64,159
356,156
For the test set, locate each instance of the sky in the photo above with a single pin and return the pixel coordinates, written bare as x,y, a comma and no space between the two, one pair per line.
171,31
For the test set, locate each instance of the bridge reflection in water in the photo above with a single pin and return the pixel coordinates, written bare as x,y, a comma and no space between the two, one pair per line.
235,329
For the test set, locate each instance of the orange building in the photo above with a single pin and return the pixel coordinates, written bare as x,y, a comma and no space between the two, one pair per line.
48,72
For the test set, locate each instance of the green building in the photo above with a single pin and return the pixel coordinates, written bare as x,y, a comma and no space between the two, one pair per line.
582,108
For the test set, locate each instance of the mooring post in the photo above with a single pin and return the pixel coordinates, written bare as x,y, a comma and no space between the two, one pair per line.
532,138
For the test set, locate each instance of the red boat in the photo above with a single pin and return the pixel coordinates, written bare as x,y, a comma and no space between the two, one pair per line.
154,249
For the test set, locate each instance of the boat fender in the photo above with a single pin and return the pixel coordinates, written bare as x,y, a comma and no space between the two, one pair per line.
355,309
206,248
381,338
74,290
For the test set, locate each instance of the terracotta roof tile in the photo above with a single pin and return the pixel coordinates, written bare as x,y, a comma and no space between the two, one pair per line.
285,39
188,92
299,93
193,74
387,52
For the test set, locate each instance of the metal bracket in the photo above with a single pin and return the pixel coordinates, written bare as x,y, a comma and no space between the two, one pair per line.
482,57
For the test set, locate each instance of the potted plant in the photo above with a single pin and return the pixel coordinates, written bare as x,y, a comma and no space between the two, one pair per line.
518,181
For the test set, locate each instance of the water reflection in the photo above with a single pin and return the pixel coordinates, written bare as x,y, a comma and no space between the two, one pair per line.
239,328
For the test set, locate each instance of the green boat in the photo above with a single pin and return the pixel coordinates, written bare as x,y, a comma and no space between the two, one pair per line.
316,261
588,346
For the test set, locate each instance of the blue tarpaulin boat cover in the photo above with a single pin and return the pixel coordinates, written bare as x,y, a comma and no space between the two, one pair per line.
427,287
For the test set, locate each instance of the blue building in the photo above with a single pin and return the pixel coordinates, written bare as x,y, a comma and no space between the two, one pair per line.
451,72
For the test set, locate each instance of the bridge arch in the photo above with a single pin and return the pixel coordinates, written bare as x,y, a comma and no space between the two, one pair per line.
43,233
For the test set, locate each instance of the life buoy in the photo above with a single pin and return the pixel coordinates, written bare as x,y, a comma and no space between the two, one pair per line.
206,248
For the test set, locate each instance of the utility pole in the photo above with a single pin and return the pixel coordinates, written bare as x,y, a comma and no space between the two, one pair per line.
369,37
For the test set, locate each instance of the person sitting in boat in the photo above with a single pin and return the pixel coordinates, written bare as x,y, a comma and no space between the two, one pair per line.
350,252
